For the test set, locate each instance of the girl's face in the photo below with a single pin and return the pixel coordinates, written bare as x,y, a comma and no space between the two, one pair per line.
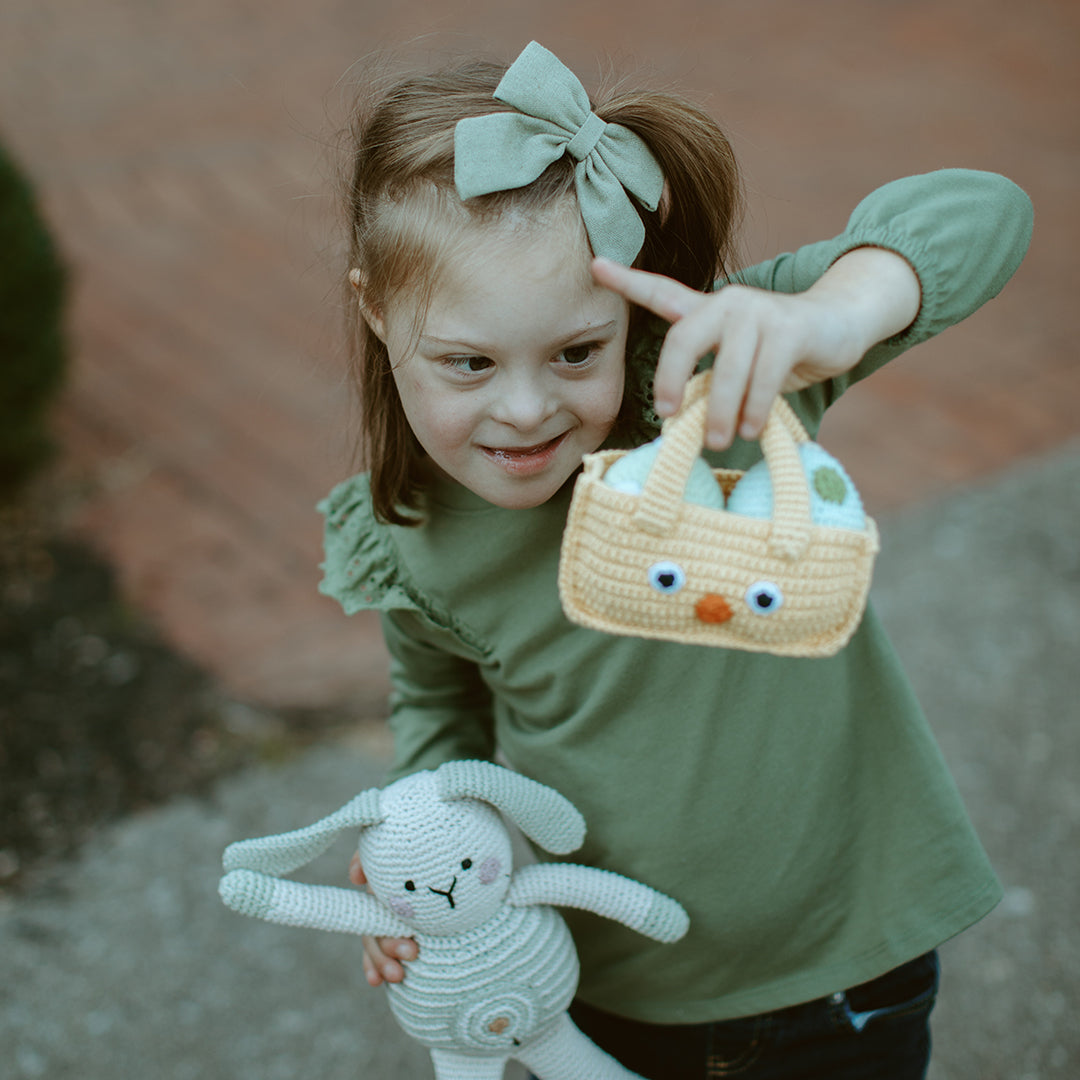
515,369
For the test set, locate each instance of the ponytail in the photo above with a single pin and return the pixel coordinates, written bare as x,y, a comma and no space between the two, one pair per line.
691,237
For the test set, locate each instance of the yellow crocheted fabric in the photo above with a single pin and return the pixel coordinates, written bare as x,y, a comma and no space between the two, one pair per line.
653,565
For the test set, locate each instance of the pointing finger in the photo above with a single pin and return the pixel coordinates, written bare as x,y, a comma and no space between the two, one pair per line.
662,296
768,377
684,346
731,375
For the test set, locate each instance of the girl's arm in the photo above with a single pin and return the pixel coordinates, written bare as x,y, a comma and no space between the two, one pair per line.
964,232
440,708
765,342
960,233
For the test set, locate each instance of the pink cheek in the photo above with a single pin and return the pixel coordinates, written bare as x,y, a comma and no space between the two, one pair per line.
489,870
402,909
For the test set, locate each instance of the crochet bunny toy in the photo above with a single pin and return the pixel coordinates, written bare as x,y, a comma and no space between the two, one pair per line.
497,967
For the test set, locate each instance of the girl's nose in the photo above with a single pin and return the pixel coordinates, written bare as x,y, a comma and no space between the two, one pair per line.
523,402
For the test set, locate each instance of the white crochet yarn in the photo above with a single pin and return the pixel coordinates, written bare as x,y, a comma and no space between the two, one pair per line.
834,500
497,967
629,473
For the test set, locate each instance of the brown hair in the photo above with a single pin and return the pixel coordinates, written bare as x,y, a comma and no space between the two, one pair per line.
402,208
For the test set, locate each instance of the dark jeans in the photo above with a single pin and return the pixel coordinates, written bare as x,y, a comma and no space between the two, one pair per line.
876,1031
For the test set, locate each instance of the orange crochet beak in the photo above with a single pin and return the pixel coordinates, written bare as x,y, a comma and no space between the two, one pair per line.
713,608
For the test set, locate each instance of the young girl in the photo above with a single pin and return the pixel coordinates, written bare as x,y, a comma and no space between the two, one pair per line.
799,809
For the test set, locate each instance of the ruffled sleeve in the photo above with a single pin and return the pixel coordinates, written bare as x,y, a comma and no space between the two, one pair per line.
361,569
440,707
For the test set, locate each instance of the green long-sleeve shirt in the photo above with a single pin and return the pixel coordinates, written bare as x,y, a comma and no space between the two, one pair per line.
799,809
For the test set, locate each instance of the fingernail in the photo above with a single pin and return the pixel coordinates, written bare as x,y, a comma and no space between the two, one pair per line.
373,978
405,952
664,407
716,440
389,971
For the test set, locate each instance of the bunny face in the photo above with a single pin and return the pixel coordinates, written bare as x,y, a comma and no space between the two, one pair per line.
442,866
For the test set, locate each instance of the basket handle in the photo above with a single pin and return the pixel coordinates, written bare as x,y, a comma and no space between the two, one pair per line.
683,437
661,499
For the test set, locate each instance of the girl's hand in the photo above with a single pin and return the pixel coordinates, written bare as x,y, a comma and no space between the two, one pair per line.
381,955
768,343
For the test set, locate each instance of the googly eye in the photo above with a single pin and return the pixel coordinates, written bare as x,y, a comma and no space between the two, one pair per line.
667,577
763,598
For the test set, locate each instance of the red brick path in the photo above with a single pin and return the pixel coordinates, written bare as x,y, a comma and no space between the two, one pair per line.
182,154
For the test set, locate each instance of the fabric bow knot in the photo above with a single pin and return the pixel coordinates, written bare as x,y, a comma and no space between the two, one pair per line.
502,151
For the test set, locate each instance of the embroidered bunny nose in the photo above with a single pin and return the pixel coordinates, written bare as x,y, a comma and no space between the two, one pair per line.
713,608
449,894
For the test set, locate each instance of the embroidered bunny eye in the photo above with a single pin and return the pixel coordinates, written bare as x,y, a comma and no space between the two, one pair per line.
763,598
667,577
410,886
466,863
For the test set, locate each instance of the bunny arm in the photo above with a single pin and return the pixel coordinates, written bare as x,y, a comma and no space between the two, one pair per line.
320,907
603,892
285,852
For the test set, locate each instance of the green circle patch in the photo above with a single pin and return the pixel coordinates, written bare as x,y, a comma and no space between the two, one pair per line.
829,484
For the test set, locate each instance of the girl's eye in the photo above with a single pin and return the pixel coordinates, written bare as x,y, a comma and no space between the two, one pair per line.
667,577
763,597
576,355
470,364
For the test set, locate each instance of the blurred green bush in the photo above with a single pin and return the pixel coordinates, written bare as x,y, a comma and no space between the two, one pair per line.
33,352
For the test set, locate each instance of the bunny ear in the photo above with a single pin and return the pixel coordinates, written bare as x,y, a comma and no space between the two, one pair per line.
542,814
281,854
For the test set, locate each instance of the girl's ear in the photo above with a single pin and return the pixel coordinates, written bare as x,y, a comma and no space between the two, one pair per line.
372,315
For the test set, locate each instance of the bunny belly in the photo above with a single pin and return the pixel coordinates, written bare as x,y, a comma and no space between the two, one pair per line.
490,989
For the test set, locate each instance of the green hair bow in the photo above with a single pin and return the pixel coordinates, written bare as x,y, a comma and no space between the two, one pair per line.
509,150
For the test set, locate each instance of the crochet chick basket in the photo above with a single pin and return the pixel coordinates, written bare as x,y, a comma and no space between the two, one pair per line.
496,968
779,561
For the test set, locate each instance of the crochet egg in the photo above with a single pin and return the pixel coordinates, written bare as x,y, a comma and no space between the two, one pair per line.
629,473
833,499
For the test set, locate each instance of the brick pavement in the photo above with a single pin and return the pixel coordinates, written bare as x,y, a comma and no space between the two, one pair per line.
182,154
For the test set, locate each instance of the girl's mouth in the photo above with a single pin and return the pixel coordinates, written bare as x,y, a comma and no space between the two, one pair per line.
525,460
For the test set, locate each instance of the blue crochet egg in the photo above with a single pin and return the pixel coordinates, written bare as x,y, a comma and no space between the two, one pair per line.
833,498
630,472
